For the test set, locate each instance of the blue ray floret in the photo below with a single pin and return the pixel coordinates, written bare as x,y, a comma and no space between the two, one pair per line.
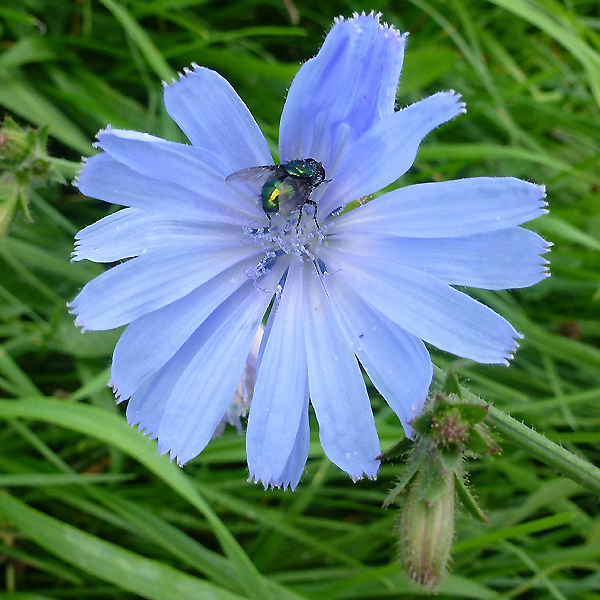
366,287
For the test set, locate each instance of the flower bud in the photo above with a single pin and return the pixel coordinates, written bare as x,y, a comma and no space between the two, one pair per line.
426,533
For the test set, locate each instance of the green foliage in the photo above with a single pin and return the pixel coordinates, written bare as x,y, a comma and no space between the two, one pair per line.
90,510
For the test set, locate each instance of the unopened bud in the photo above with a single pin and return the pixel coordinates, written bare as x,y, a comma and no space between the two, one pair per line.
426,533
23,164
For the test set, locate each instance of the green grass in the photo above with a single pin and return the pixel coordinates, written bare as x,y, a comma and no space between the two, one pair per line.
89,510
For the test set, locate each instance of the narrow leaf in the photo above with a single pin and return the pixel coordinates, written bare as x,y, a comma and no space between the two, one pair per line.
468,501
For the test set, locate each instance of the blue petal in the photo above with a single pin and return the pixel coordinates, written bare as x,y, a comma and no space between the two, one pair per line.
448,209
144,284
154,157
388,149
397,363
207,384
214,118
147,406
427,308
132,232
351,82
290,476
508,258
193,168
337,389
150,341
281,388
106,179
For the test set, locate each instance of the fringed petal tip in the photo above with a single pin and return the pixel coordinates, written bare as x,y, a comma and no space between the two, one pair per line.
84,162
384,28
273,483
538,192
118,396
144,429
106,129
370,476
510,354
461,107
73,308
181,77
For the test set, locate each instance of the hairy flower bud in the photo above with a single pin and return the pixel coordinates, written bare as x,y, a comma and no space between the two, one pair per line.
426,532
23,163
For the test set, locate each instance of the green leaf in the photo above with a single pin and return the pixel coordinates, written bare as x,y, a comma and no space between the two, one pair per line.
473,413
141,576
406,477
451,384
467,499
400,448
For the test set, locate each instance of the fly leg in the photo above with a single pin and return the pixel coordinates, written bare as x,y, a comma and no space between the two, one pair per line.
302,211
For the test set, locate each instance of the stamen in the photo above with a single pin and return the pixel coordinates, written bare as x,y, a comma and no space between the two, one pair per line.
298,233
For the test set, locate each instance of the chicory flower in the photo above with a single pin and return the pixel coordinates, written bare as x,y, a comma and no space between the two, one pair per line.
208,254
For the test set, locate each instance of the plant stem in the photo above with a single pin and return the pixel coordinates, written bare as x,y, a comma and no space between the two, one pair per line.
564,462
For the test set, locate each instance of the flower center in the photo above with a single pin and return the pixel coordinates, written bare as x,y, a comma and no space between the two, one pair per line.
297,234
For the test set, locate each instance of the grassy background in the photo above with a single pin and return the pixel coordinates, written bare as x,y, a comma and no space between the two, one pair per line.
90,511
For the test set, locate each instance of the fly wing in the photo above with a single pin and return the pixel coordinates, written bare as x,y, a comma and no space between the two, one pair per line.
252,175
297,195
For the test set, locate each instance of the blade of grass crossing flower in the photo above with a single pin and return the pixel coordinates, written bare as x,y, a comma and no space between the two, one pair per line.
113,430
141,39
142,576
